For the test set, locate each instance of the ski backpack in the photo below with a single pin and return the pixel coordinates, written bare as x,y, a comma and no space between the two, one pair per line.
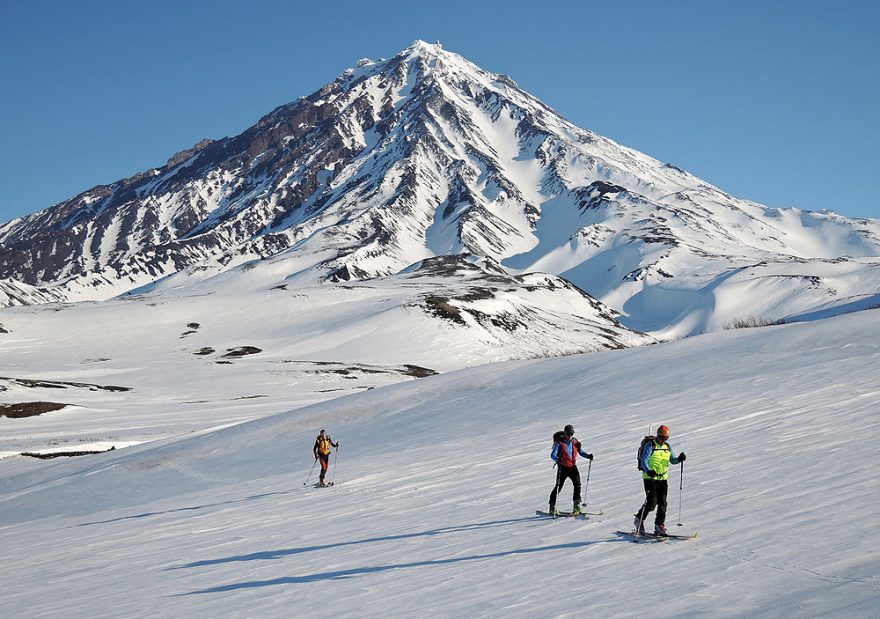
558,436
645,441
323,445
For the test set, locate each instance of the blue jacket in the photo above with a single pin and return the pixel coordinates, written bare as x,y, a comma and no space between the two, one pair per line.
649,449
569,447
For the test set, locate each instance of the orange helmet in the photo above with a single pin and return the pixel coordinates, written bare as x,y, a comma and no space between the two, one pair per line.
663,431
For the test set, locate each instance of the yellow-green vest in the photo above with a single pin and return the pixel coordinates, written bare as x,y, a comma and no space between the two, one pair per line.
659,461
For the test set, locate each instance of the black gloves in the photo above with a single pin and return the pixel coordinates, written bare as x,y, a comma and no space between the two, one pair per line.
681,457
651,473
589,456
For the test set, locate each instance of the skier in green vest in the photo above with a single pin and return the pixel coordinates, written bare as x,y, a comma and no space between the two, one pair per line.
656,457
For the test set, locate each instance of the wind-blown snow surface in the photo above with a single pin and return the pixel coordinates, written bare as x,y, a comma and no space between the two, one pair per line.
438,480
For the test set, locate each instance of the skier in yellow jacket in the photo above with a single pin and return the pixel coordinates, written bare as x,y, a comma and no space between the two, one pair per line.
656,457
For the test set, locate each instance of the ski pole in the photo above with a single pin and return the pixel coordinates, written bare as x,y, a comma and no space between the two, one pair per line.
587,484
644,516
557,488
643,513
305,483
335,458
680,486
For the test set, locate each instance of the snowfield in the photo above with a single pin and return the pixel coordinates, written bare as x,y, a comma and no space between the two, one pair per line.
438,480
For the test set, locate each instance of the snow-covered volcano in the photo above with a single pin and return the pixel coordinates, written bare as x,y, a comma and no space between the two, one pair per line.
427,154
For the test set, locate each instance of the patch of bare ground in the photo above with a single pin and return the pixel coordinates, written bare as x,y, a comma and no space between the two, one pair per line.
60,454
440,307
193,328
444,307
241,351
59,384
351,370
751,322
207,350
418,371
28,409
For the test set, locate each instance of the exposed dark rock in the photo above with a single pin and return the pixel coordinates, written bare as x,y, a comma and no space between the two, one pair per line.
61,454
241,351
57,384
441,308
28,409
418,371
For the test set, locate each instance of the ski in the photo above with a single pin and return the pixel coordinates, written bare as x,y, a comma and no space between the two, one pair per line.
653,537
674,536
566,514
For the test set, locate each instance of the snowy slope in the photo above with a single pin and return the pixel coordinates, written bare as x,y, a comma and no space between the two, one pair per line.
158,364
426,154
18,293
438,480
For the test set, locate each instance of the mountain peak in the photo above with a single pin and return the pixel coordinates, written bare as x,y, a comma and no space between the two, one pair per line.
428,155
418,49
423,48
432,55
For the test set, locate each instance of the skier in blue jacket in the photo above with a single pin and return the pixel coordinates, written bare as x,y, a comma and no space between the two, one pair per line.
564,453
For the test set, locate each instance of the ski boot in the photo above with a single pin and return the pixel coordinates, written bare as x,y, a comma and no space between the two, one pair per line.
576,510
638,525
552,511
660,530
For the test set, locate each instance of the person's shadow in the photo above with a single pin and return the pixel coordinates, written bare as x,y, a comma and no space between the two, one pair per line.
284,552
373,569
192,508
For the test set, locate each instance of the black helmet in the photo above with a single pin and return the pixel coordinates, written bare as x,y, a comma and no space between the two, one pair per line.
569,430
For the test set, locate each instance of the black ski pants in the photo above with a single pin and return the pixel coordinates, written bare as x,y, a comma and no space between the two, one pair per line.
563,473
655,496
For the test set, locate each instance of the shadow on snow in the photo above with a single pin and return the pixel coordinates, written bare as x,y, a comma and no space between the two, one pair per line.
254,497
375,569
284,552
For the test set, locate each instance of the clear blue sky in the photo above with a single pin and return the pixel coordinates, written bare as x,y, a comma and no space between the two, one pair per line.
771,101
